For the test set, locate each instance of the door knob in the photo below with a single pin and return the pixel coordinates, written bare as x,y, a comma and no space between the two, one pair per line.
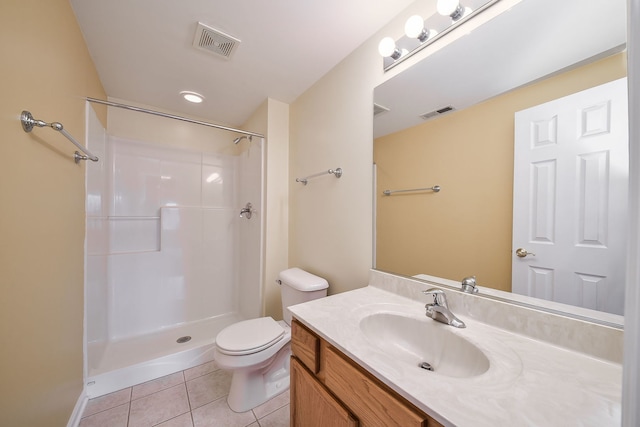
523,253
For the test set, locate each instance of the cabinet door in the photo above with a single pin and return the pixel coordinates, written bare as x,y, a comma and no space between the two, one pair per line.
312,405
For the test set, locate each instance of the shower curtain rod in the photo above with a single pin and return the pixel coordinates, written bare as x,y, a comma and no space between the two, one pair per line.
172,116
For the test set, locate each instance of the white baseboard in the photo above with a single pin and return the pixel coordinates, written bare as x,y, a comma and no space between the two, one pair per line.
78,410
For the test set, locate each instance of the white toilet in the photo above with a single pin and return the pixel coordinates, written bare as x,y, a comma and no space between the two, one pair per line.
258,350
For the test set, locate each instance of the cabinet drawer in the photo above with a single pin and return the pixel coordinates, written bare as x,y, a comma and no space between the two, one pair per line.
368,399
305,345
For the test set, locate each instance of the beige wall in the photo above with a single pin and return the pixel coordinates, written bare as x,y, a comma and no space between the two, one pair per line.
46,69
272,120
466,228
330,219
277,205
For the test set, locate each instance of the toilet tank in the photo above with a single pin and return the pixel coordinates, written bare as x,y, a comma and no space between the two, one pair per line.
298,286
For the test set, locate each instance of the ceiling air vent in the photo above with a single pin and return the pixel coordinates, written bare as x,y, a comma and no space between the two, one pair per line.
215,41
379,109
437,112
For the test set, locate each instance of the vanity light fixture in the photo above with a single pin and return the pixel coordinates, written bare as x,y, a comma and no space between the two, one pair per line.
194,97
420,33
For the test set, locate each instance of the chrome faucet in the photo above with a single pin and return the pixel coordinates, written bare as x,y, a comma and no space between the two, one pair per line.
439,310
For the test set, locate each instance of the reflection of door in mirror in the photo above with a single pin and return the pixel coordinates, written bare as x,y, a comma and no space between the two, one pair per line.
570,199
466,228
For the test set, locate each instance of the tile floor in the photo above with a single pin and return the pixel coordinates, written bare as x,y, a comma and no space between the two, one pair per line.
196,397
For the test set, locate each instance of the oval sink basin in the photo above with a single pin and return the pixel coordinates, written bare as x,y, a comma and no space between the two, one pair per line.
415,341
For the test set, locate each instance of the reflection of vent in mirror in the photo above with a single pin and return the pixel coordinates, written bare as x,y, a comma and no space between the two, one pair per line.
379,109
215,41
437,112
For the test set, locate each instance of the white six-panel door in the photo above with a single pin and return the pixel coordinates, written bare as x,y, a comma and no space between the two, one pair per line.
570,199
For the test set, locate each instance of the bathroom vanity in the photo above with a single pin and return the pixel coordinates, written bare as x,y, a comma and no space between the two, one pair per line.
358,360
329,389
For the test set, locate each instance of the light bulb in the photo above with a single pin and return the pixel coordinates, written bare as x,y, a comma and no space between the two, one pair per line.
414,26
447,7
387,47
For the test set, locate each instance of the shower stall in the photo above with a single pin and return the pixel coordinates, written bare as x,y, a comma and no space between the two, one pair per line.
173,244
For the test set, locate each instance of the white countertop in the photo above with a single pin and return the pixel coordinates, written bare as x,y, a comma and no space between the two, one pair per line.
529,382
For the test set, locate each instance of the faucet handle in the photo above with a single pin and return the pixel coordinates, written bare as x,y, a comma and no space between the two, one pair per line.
439,297
469,285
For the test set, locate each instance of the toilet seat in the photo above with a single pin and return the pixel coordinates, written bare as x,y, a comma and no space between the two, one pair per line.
249,336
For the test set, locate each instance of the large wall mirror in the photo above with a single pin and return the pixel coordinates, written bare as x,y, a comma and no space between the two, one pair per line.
470,91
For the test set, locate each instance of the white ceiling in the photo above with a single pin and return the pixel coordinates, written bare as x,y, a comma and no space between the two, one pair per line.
143,49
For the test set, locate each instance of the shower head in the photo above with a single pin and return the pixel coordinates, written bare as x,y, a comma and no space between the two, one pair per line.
240,138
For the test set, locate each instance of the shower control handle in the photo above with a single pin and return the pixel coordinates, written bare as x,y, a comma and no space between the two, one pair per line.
246,211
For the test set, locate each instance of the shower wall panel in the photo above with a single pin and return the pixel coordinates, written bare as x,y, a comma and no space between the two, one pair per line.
97,238
250,169
173,228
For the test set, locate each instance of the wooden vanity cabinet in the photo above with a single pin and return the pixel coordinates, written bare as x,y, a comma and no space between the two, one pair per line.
312,405
326,383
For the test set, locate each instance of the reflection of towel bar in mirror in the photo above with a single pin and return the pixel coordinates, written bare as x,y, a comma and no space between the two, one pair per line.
435,189
337,172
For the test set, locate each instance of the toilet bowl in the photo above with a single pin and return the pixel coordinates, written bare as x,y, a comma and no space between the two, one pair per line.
257,351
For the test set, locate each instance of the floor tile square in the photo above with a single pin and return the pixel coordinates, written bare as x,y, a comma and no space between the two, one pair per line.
200,370
218,413
272,405
107,401
207,388
114,417
183,420
279,418
156,385
159,407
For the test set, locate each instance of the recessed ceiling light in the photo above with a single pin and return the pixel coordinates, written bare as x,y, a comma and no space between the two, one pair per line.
192,96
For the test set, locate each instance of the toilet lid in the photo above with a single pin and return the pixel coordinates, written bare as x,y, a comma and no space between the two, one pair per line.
249,336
